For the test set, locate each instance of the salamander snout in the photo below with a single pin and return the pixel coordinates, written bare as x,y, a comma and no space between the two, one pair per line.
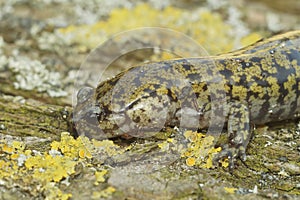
85,114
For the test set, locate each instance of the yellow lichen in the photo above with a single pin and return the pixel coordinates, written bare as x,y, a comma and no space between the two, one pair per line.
18,146
225,163
169,145
190,161
103,193
52,192
171,140
55,145
255,88
200,151
163,145
7,149
48,169
273,90
108,147
288,85
206,28
100,176
81,153
14,156
230,190
5,169
249,39
73,147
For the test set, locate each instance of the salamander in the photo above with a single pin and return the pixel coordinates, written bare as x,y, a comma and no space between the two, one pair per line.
254,85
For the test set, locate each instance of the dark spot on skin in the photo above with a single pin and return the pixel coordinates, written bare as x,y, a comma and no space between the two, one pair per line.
264,109
242,80
193,76
209,72
186,67
226,72
204,88
256,59
294,55
137,119
172,97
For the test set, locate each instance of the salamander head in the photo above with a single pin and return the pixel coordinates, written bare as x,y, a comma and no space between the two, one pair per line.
86,116
139,103
108,115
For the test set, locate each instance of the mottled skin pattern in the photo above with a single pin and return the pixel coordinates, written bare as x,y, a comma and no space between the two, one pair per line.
255,85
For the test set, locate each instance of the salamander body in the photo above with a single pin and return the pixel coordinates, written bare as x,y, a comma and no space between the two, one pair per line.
255,85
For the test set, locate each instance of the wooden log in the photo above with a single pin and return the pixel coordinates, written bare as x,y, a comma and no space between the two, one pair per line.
20,117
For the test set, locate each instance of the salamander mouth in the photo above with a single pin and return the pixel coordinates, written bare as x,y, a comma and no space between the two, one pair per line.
86,109
85,116
84,121
72,126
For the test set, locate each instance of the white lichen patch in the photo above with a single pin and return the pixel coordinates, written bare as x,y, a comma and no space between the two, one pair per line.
88,12
52,42
1,44
33,75
158,4
5,8
234,19
3,61
3,58
21,159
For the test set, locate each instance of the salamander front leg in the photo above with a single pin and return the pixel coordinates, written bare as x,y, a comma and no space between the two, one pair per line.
238,134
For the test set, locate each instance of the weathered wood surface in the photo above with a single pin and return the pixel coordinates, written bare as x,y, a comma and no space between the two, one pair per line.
22,118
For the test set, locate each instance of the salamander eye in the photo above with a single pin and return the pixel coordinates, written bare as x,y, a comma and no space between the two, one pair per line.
84,94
